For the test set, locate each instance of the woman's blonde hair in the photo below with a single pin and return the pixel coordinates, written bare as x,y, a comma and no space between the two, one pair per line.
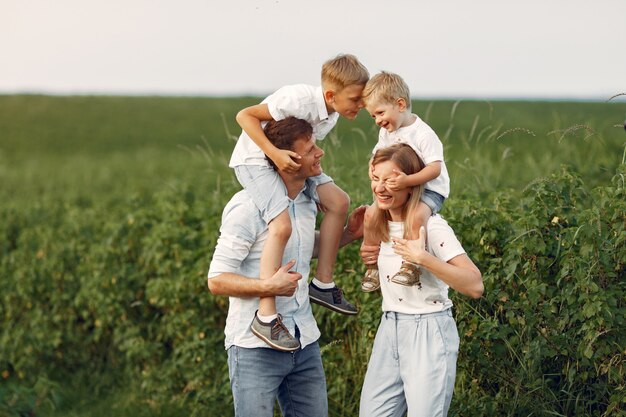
408,162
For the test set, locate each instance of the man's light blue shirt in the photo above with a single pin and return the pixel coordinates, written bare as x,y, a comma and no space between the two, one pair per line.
242,235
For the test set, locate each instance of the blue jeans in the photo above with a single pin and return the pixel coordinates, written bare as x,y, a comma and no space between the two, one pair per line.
259,376
413,366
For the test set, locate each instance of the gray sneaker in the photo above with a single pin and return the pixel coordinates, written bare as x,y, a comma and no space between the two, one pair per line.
275,334
331,298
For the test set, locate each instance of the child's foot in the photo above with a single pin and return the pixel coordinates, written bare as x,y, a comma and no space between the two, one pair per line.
371,280
275,334
408,275
331,298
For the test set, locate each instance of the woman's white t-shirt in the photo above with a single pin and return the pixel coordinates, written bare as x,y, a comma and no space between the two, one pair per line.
432,294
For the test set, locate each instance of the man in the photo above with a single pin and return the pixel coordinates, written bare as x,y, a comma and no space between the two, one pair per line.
259,375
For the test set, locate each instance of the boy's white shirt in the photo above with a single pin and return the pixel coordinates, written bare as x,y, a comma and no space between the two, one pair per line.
426,144
302,101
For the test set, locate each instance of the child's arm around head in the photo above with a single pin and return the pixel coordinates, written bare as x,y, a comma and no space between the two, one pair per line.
428,173
250,120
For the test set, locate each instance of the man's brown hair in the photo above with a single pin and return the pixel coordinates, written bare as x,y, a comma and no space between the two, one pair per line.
283,133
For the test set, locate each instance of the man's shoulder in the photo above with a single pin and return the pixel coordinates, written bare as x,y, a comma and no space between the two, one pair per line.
241,206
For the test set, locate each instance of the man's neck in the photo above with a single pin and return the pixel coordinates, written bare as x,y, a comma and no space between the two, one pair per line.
293,185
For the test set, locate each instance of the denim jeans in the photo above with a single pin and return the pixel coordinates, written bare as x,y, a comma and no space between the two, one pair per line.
259,376
412,367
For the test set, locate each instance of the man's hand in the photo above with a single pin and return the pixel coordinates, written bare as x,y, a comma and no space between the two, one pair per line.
369,254
412,250
283,282
285,160
399,182
354,228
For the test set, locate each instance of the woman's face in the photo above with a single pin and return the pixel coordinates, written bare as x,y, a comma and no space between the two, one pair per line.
392,201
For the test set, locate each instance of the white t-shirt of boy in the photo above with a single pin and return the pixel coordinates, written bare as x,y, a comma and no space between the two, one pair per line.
302,101
432,296
426,144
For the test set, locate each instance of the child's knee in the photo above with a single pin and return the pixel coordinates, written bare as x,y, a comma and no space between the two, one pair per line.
280,228
341,202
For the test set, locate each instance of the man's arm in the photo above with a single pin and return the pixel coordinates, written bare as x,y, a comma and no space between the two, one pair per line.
282,283
250,120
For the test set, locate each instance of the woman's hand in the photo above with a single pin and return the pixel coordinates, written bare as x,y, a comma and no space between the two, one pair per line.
369,254
412,250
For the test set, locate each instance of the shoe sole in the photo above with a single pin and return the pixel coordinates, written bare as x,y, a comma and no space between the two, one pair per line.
370,289
406,284
273,345
333,307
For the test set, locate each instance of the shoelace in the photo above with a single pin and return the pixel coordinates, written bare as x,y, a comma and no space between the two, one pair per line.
278,327
337,295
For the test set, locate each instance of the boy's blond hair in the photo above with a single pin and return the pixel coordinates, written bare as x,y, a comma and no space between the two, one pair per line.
342,71
386,88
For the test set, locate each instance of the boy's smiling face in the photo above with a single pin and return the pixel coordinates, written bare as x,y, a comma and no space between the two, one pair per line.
390,116
347,102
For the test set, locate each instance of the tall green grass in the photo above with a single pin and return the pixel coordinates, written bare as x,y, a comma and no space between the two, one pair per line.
110,208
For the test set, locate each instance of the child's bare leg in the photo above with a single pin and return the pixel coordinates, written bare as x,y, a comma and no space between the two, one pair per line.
323,290
409,274
267,320
421,219
272,256
336,203
371,280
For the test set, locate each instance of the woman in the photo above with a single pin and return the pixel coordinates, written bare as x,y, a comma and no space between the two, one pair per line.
413,363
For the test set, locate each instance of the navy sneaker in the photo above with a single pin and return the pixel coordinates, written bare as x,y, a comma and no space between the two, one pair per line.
332,299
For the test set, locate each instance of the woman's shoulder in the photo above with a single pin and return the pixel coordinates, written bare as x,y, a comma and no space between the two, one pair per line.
438,229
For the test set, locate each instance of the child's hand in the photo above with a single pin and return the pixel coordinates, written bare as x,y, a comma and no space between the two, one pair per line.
285,160
412,250
399,182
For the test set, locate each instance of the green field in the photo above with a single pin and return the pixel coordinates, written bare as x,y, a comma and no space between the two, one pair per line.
110,209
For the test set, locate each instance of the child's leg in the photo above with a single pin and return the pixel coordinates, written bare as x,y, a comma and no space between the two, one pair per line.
267,319
257,180
322,289
272,256
371,280
336,203
421,219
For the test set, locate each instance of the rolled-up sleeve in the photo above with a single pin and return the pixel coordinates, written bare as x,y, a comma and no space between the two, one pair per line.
238,232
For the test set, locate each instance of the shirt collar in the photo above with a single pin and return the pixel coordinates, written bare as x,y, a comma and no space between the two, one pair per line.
321,104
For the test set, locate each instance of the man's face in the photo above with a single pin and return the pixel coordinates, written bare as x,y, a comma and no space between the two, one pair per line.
311,155
348,101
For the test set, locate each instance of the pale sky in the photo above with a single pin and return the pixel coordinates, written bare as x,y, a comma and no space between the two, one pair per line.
561,49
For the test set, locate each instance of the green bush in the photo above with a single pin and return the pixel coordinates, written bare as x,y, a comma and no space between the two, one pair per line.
128,295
